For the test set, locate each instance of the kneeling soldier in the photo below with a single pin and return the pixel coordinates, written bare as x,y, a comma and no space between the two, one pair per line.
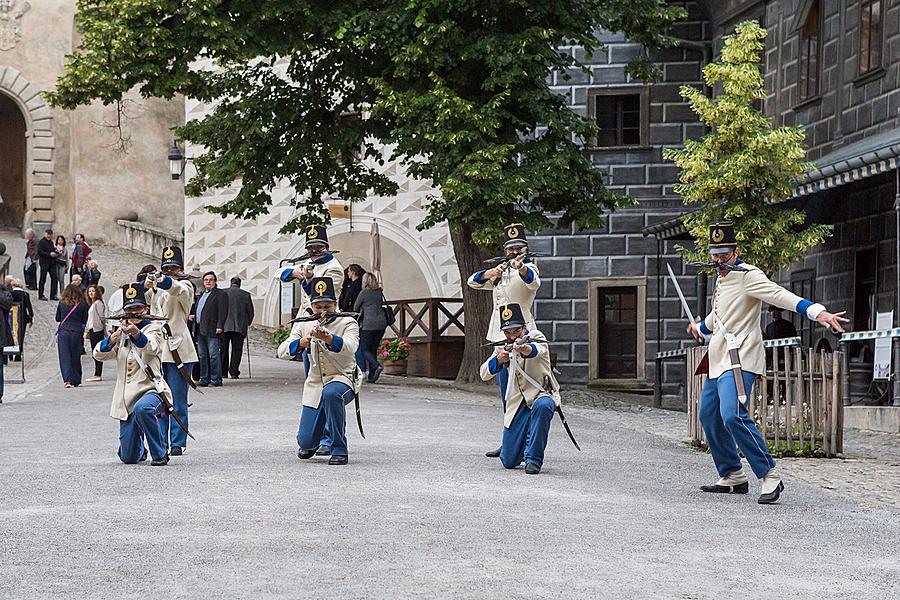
332,377
140,401
532,393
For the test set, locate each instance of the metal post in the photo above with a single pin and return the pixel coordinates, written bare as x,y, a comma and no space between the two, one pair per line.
249,372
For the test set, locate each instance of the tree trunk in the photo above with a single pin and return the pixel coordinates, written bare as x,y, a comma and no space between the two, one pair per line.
478,303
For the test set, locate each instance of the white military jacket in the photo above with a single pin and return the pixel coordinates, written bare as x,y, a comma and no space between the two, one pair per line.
337,366
330,268
511,289
737,308
132,382
537,368
173,299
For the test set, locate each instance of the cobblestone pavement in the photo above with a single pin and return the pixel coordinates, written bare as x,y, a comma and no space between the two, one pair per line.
418,513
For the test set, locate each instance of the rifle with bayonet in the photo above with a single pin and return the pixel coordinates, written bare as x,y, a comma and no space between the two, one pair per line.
123,316
504,260
309,255
507,344
715,265
326,316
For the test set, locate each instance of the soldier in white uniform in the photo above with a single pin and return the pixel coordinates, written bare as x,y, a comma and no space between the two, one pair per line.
140,402
735,349
171,294
532,391
514,282
332,378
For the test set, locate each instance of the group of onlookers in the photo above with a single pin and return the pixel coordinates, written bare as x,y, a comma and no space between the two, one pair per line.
57,260
362,293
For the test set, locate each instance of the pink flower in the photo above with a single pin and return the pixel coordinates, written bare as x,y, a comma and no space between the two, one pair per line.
384,352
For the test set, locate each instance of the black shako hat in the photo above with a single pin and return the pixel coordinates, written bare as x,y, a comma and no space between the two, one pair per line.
133,295
722,238
172,257
511,317
514,236
322,290
316,234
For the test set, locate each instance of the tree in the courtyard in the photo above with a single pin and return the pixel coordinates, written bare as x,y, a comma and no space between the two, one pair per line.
743,168
457,87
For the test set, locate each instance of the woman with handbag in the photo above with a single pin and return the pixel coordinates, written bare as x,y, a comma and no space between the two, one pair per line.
71,314
61,265
373,322
96,327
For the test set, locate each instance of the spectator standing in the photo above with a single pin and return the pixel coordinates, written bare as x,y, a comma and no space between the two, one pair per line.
208,314
71,314
96,326
31,259
351,287
81,253
62,261
6,339
90,275
240,315
47,260
372,324
27,311
115,304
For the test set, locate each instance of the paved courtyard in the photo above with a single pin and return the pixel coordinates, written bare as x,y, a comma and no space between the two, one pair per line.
418,513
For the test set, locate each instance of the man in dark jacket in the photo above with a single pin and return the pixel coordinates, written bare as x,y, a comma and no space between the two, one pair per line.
90,275
240,315
208,314
351,287
6,301
47,259
26,314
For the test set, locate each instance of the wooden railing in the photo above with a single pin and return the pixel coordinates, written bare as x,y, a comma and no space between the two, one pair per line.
427,319
797,404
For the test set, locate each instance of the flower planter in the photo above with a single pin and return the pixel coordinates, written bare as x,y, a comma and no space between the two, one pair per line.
394,367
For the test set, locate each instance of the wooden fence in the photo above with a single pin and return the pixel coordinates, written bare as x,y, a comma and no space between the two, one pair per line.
798,404
435,329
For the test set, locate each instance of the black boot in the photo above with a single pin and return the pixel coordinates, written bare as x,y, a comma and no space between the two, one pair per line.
176,451
305,454
376,373
323,451
337,460
741,488
160,462
493,453
532,469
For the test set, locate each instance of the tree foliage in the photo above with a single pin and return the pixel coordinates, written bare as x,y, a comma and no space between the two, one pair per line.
744,168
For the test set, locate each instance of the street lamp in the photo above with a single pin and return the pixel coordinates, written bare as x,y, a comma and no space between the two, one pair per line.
176,161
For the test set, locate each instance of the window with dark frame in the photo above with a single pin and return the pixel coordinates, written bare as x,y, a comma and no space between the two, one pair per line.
808,74
618,119
869,35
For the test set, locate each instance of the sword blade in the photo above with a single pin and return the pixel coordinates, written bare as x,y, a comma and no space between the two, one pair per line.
358,416
684,304
178,420
565,423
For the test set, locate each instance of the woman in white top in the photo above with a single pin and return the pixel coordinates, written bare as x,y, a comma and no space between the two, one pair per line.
95,330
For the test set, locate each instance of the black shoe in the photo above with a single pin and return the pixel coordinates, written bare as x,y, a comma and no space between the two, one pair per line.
160,462
235,376
493,453
772,498
41,298
54,298
376,373
323,451
201,384
305,454
337,460
532,469
144,457
216,384
176,451
741,488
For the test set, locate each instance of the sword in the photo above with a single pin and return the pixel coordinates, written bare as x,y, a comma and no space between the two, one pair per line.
562,418
169,409
358,415
684,304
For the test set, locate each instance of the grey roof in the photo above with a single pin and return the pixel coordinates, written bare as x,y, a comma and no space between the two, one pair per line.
867,151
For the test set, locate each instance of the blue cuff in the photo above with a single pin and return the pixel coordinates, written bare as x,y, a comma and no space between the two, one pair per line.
493,366
802,306
337,342
704,329
294,348
307,287
534,351
286,274
479,277
529,277
106,345
141,341
165,284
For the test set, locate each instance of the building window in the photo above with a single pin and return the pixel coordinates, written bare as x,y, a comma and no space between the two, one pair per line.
809,54
869,35
621,116
617,337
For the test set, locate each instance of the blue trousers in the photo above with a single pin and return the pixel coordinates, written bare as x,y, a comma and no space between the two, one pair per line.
208,349
331,412
727,424
145,421
70,345
176,437
326,435
526,436
502,377
2,359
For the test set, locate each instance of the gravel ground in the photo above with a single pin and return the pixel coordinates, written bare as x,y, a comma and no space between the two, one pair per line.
419,512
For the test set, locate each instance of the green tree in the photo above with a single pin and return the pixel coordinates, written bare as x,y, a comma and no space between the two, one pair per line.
743,168
458,87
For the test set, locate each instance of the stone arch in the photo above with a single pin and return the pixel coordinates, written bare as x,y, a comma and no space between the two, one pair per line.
40,145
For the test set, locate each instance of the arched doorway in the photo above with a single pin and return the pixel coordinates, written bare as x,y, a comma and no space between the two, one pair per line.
13,149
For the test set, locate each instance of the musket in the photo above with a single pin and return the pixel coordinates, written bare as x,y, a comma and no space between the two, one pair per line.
309,255
322,317
521,341
715,265
503,260
143,316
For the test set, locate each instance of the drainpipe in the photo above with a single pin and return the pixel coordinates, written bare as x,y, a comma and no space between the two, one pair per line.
896,342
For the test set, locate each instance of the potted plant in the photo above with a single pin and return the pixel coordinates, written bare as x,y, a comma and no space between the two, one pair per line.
393,353
280,334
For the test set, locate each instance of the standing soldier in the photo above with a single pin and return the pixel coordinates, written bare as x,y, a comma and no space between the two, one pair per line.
141,399
515,281
171,296
321,263
332,376
736,359
532,393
